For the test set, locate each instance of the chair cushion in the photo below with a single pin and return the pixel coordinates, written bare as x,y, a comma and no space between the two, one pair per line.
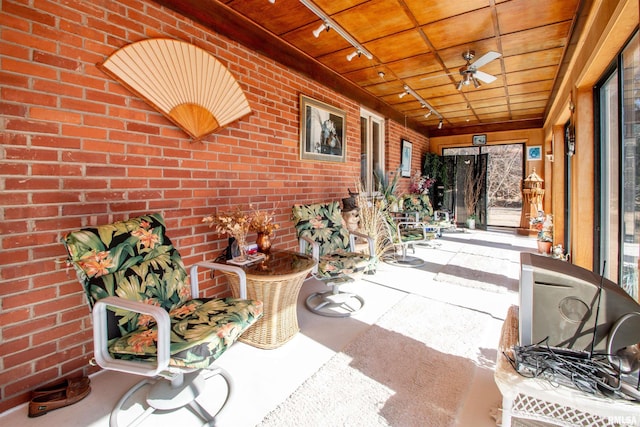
322,223
201,330
131,259
418,203
411,234
340,263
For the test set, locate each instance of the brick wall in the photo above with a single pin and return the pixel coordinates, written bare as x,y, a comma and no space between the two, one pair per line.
78,149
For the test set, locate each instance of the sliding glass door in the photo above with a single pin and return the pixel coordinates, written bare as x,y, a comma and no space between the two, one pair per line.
618,96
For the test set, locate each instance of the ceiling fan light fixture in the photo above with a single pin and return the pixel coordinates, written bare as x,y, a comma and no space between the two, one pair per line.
476,83
460,84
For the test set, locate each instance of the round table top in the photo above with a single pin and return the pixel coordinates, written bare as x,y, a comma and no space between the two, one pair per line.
280,263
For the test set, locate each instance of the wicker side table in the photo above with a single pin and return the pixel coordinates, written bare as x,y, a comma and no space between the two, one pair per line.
276,281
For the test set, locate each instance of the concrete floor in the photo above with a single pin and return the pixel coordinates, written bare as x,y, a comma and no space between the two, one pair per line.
480,269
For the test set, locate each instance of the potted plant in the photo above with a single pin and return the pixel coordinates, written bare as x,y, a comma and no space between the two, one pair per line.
473,187
386,186
543,224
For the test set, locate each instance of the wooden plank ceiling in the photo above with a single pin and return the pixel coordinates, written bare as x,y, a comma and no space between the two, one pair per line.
418,43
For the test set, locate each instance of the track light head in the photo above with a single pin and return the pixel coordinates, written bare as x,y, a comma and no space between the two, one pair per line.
440,124
323,27
426,116
353,55
402,95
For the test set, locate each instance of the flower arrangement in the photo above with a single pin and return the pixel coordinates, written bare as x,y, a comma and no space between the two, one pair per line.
235,224
543,224
420,184
262,222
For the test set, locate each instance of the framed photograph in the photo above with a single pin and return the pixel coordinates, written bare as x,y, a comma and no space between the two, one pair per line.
479,140
405,166
534,152
322,131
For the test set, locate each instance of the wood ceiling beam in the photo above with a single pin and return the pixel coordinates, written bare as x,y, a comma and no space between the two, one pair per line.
490,127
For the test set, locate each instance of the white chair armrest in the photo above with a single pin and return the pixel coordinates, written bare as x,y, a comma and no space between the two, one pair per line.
315,250
195,291
101,339
369,239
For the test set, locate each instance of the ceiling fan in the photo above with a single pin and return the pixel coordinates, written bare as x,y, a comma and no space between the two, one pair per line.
470,73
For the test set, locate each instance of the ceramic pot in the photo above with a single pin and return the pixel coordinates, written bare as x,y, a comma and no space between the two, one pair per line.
544,247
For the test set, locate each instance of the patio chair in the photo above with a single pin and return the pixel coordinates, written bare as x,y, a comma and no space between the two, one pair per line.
148,319
323,234
419,208
405,232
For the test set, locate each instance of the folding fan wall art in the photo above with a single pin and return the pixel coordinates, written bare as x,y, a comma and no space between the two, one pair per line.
182,81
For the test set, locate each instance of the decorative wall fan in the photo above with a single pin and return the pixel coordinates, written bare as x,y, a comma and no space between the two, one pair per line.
470,73
182,81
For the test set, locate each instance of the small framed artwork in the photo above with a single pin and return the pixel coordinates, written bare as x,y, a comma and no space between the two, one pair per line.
322,131
479,140
407,151
534,152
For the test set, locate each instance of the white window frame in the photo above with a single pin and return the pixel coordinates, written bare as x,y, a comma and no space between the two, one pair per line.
368,148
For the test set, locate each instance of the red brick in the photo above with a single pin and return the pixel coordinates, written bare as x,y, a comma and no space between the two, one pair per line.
32,126
54,60
27,328
28,13
31,353
103,146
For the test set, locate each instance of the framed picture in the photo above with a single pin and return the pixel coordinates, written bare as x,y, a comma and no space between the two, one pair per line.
479,140
407,151
322,131
534,152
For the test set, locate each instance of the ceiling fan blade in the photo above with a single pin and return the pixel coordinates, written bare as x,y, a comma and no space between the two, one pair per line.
484,77
485,59
439,75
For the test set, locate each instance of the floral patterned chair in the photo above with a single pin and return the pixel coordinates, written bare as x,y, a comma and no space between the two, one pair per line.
404,233
147,317
322,233
419,207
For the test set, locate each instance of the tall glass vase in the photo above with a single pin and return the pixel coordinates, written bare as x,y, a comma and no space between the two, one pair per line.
241,240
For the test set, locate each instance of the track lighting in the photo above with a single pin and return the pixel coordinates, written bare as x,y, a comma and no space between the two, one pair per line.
328,23
423,103
402,95
323,27
440,124
426,116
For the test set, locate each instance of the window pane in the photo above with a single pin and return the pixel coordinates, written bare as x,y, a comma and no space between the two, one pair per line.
376,140
363,155
630,170
609,194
